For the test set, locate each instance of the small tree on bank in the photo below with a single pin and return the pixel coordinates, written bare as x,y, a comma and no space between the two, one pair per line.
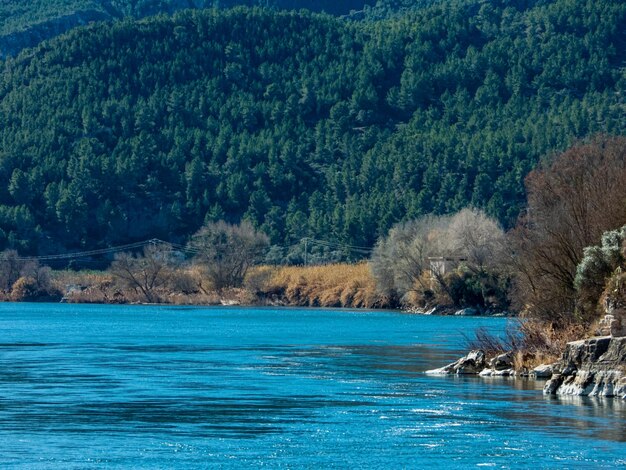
400,259
145,273
24,279
11,269
599,265
225,252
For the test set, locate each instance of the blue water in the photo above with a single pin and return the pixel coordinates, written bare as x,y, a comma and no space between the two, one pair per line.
165,387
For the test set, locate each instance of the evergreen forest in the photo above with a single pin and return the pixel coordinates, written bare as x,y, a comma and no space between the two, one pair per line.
26,23
304,124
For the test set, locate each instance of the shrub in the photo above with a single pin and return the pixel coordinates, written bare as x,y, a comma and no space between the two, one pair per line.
145,273
334,285
595,268
24,289
226,252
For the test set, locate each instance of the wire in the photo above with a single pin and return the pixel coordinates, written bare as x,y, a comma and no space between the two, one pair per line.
174,247
351,248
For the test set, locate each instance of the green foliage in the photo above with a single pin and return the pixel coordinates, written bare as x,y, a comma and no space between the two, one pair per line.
18,15
305,125
485,290
25,24
597,266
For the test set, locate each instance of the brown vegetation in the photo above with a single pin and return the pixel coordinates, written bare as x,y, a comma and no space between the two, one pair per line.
337,285
146,273
572,201
24,279
226,252
334,285
531,342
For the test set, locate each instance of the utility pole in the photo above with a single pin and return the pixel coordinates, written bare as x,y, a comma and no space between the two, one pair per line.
306,242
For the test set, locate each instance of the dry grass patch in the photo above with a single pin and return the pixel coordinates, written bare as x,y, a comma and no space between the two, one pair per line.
333,285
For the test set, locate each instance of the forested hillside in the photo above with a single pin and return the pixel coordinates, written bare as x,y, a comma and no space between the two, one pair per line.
306,125
26,23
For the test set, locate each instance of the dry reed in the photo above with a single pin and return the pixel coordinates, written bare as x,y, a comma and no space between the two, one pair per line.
333,285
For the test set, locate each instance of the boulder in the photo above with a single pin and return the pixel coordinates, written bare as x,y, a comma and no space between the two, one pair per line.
544,371
467,312
502,361
613,324
497,372
473,363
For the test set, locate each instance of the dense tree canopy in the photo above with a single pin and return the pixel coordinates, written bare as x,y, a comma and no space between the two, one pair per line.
303,124
26,23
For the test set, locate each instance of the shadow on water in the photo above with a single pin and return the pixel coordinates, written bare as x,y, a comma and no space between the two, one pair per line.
587,417
372,359
197,416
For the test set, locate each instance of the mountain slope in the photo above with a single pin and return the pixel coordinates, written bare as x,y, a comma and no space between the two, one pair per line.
26,24
306,125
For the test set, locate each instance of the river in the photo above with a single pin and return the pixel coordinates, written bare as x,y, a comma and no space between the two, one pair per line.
180,387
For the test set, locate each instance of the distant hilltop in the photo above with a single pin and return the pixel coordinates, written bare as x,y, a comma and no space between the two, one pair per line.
26,24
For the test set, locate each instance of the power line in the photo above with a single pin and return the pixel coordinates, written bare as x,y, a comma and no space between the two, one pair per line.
178,247
346,247
89,253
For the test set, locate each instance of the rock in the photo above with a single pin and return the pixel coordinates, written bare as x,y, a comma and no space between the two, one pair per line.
613,324
467,312
497,373
439,310
553,384
473,363
445,370
594,367
544,371
499,366
502,361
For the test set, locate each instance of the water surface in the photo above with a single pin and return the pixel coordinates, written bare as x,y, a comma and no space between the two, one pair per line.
167,387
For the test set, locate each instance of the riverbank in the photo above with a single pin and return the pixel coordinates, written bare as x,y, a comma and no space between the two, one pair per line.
590,367
339,285
335,285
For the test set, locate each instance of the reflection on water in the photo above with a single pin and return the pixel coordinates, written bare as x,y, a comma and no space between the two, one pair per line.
178,388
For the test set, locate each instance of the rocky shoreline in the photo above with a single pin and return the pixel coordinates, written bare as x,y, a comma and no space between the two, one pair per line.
590,367
449,310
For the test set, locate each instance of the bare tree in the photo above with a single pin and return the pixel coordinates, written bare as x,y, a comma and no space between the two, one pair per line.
403,262
145,273
475,237
400,259
226,252
572,201
11,266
